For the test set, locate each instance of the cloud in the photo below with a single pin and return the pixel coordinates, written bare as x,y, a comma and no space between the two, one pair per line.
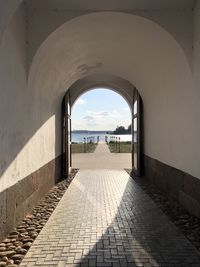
88,118
100,120
80,102
101,115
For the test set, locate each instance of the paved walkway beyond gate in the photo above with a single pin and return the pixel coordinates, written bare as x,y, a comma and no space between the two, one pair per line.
102,159
105,219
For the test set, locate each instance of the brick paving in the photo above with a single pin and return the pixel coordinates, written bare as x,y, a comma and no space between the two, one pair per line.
105,219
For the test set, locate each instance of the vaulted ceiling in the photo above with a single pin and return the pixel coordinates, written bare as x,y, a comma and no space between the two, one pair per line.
111,4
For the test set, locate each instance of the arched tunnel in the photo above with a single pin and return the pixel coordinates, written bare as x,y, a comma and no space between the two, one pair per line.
48,50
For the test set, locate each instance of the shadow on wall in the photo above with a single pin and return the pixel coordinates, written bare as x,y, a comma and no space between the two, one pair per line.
27,168
27,133
24,112
20,198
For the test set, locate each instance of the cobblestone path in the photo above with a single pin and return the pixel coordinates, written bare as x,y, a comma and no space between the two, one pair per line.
105,219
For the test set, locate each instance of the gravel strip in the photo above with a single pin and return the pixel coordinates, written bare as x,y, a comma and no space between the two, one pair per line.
16,245
188,224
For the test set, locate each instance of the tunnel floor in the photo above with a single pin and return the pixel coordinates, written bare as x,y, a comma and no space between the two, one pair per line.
106,219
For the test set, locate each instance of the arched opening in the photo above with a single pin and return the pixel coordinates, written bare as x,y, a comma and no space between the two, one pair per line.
58,65
136,127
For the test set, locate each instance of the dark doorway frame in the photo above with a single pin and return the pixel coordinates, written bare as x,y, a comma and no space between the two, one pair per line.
137,133
66,135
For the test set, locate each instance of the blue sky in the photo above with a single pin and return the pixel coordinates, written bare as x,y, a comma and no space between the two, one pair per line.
100,109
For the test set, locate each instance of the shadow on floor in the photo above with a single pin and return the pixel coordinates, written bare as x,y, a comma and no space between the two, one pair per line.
140,234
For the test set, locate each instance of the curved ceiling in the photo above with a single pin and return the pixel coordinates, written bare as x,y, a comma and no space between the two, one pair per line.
113,43
111,4
121,86
7,10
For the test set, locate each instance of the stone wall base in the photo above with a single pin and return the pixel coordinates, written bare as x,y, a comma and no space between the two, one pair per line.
177,184
21,198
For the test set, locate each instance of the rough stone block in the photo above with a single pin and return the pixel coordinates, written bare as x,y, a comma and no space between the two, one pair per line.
21,198
192,186
2,213
189,203
175,183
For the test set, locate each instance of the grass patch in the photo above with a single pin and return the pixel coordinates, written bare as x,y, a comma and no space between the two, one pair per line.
123,147
81,148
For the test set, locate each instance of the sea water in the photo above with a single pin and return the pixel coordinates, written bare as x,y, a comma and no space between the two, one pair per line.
78,137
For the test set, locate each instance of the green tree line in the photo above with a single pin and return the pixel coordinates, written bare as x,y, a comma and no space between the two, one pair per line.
122,130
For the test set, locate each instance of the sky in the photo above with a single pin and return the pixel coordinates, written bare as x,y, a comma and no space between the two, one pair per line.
100,109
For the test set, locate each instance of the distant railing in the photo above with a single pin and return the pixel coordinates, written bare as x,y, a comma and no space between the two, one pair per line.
115,143
90,142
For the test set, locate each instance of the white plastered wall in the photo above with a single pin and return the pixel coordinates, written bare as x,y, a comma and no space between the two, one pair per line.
195,143
26,144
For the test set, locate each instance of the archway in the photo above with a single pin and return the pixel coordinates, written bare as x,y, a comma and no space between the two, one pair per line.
135,104
143,58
